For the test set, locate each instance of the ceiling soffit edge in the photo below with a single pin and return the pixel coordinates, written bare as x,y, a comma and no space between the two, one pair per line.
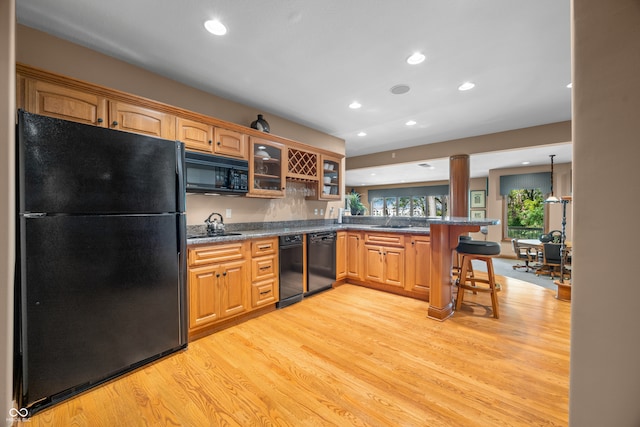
553,133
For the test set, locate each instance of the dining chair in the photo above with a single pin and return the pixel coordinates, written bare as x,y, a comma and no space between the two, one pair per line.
553,236
550,260
526,254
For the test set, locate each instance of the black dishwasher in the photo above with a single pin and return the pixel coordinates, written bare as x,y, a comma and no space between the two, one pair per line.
291,270
321,261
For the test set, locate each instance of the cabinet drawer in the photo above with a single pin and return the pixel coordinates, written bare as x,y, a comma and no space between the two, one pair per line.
264,247
216,253
263,268
388,239
265,292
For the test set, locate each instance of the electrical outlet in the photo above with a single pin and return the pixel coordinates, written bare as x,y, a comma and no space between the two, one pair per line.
321,211
228,214
315,211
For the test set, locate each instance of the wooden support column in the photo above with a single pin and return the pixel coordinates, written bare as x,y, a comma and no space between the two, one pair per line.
459,185
444,238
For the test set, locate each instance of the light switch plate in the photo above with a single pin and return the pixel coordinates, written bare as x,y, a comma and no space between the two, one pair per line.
228,213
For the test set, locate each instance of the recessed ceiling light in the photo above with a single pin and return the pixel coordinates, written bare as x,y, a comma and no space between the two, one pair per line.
400,89
466,86
373,174
411,123
570,85
526,163
215,27
416,58
362,134
426,165
355,105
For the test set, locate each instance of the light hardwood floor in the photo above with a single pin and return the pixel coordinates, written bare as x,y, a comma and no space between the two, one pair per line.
354,357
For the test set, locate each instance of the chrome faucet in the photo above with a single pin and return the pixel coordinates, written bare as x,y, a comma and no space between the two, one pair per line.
213,226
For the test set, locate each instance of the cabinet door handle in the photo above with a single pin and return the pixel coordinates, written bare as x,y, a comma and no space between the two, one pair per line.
100,120
264,247
219,143
265,268
265,292
210,142
224,274
114,123
217,274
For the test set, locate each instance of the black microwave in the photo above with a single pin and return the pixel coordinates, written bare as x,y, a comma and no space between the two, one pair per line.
206,173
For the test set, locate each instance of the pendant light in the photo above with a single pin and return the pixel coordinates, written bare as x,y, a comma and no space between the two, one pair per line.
552,198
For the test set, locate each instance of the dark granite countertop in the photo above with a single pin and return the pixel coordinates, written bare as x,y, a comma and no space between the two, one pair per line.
249,234
270,229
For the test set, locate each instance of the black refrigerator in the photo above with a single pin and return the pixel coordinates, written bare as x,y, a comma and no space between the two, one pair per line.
100,274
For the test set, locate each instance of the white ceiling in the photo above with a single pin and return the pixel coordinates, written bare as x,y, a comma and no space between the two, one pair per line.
307,60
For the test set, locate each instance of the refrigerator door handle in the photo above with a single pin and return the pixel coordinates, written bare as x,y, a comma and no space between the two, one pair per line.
182,277
34,214
181,178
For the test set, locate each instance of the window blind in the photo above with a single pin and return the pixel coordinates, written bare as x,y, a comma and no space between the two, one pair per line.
432,190
540,180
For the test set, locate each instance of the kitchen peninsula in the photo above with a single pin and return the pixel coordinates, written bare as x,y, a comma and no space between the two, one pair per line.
374,252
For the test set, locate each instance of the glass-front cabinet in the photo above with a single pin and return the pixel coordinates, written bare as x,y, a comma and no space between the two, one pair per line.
267,168
331,180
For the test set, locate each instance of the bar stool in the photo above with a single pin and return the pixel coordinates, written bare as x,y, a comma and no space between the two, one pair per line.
457,259
482,251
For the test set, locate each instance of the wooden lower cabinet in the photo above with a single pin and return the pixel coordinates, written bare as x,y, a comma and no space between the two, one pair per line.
264,272
393,262
216,292
341,255
354,255
384,260
264,292
227,281
384,265
418,265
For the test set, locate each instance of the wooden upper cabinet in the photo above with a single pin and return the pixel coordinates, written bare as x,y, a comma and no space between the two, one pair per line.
199,136
267,168
133,118
331,178
230,143
302,164
58,101
195,135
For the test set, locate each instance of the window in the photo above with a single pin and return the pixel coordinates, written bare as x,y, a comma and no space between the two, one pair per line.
377,206
404,206
418,206
523,195
436,205
390,206
524,213
410,201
